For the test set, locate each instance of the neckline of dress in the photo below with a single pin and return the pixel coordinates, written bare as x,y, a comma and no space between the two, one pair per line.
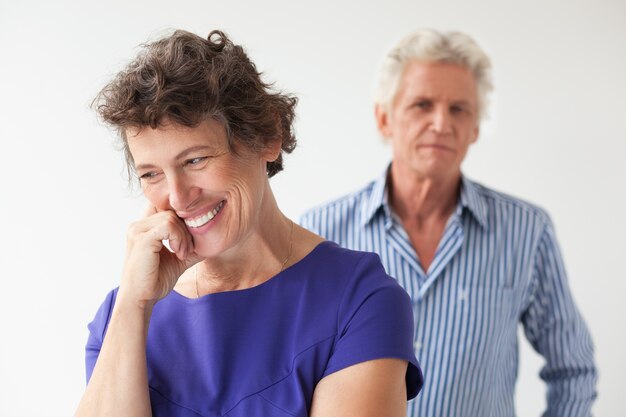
178,296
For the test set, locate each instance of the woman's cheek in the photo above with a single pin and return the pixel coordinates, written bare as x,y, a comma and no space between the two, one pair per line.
156,196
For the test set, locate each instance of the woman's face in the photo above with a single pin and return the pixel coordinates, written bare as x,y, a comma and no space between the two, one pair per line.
191,171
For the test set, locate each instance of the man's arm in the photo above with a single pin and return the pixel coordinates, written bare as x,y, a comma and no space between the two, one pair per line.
556,330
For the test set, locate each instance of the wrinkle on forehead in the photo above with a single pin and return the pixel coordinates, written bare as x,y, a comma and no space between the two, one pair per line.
439,81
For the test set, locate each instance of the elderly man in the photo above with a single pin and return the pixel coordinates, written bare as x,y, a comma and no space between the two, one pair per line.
475,262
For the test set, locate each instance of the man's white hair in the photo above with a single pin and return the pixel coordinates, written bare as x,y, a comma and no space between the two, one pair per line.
429,45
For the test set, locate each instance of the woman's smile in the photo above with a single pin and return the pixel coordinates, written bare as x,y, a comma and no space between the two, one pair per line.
201,220
200,224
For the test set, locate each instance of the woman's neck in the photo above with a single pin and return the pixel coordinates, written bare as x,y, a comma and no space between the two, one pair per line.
258,256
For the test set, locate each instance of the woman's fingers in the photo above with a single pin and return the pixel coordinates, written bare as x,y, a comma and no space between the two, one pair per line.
177,238
159,227
150,210
151,270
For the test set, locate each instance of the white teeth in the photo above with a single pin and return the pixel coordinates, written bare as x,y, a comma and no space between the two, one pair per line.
204,219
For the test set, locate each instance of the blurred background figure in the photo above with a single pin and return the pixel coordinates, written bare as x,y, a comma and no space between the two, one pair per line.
475,262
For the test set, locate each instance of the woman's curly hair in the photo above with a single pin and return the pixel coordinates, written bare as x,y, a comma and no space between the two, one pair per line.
185,79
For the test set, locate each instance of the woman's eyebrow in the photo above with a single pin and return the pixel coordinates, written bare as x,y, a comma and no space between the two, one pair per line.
181,155
192,150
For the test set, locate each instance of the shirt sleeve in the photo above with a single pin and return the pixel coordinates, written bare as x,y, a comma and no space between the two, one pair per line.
375,321
556,330
97,329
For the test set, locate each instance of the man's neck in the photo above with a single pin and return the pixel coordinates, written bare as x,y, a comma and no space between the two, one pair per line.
424,205
421,200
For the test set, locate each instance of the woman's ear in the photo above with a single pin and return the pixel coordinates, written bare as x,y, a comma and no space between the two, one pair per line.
272,149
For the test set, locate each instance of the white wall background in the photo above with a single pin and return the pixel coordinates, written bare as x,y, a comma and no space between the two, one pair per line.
557,137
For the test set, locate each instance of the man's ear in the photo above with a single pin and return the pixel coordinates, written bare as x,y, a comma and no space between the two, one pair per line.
382,120
476,133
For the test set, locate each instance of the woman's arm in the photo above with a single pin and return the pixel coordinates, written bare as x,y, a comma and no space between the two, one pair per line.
119,383
374,388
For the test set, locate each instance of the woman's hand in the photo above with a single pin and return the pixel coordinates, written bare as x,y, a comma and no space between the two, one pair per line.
119,382
150,269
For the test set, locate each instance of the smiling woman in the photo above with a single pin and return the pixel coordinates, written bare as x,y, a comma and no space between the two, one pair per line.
192,172
248,314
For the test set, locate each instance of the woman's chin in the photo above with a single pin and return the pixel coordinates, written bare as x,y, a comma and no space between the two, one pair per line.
205,249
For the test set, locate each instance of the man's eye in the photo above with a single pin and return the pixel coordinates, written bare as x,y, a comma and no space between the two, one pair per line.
422,104
460,109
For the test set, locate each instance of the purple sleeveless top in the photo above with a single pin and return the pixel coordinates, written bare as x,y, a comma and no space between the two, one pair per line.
261,351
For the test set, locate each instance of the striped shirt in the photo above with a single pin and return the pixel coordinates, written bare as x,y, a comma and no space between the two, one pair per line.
498,264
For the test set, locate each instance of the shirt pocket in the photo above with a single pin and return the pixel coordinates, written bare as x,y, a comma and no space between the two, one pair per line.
489,319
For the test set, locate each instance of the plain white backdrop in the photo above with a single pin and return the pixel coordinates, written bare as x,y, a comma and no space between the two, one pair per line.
556,137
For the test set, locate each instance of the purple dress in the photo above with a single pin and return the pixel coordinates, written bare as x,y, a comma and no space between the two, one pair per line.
261,351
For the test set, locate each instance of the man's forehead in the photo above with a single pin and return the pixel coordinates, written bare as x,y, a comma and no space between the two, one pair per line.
438,80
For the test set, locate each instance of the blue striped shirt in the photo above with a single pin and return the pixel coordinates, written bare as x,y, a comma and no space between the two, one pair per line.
497,265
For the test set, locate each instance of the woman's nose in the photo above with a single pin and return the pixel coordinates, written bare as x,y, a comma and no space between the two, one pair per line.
181,193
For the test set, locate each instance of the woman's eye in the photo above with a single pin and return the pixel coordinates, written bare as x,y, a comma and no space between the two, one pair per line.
197,160
149,176
194,162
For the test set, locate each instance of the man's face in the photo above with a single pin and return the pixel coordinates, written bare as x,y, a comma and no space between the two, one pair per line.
432,120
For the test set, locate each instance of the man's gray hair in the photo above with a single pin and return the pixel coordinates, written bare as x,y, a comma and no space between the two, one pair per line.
429,45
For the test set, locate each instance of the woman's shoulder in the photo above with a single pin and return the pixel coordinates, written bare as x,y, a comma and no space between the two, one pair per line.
313,248
340,270
355,260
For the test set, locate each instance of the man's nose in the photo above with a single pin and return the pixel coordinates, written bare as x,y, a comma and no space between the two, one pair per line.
441,121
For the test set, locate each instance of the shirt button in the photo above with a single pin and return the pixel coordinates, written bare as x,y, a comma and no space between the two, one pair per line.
417,345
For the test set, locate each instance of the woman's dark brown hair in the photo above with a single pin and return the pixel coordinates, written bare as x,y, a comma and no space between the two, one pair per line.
185,79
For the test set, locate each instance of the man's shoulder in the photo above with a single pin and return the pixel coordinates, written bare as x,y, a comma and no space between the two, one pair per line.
498,203
348,207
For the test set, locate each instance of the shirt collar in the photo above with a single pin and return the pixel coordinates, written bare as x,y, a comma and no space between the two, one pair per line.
377,199
470,199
